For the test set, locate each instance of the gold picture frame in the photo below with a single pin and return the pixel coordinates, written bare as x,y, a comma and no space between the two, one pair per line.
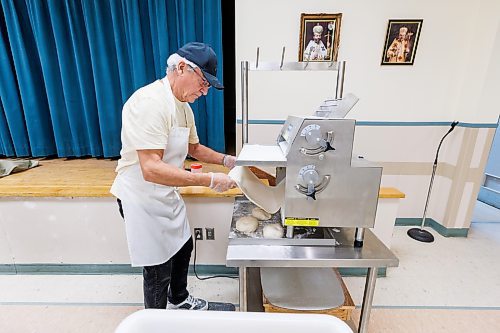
319,37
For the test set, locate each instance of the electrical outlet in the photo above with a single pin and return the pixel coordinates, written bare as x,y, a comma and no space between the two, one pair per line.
210,233
198,233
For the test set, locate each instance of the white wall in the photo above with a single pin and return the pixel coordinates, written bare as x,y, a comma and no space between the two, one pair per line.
455,76
478,100
91,231
454,66
63,230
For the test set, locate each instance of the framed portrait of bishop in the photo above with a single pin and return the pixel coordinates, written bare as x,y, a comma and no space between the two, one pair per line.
401,42
319,37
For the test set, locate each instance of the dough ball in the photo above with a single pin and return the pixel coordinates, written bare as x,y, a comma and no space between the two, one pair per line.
273,231
247,224
260,214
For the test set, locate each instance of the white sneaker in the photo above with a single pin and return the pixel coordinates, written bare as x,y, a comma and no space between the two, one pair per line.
190,303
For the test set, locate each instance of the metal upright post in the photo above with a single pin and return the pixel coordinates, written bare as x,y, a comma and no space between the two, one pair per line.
244,102
359,237
366,307
339,91
243,274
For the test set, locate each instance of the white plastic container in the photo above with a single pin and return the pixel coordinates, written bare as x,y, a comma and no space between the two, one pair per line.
182,321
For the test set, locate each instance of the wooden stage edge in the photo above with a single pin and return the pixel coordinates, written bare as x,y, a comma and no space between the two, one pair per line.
94,177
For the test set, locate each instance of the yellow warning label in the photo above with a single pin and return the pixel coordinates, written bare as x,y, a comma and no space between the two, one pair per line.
301,221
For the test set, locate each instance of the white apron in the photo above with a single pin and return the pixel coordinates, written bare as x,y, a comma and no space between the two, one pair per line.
155,215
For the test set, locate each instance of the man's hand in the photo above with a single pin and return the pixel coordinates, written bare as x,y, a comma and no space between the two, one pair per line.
220,182
229,161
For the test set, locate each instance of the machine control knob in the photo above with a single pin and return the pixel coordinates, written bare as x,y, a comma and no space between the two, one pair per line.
312,134
316,141
310,176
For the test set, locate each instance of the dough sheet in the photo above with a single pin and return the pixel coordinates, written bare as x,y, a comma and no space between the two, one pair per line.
269,198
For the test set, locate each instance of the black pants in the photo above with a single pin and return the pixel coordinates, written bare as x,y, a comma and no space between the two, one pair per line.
167,280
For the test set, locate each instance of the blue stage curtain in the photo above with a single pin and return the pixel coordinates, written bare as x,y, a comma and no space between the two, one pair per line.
68,66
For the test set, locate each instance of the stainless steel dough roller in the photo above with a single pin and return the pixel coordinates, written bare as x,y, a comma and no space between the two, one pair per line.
325,185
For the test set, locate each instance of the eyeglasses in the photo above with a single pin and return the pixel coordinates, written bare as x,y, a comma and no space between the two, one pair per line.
204,81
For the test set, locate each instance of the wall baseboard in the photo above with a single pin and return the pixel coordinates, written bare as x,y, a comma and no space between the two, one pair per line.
101,269
443,231
354,271
125,269
239,121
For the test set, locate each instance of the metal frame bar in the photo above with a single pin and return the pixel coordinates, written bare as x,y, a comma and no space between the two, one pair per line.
339,88
243,297
247,66
293,66
364,318
244,101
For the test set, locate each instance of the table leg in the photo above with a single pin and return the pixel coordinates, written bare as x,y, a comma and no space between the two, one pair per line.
366,308
243,288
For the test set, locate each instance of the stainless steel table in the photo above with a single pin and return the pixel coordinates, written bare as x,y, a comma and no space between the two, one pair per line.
372,255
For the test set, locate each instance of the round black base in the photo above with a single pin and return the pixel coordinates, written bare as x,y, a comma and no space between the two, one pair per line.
421,235
358,243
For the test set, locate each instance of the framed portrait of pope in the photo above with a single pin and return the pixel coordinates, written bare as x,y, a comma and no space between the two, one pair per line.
401,42
319,37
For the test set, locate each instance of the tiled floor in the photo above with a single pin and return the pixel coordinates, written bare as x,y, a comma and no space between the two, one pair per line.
450,272
485,213
62,318
451,285
433,321
86,290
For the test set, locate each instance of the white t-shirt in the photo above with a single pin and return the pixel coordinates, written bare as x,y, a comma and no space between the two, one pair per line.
147,118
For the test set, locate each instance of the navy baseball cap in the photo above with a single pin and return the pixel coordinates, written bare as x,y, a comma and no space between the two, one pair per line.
204,57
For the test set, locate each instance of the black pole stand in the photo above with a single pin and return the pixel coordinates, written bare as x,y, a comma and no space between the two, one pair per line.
419,233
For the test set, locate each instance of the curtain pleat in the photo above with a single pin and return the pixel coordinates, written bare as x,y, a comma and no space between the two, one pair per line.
68,66
14,142
6,145
211,28
30,83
